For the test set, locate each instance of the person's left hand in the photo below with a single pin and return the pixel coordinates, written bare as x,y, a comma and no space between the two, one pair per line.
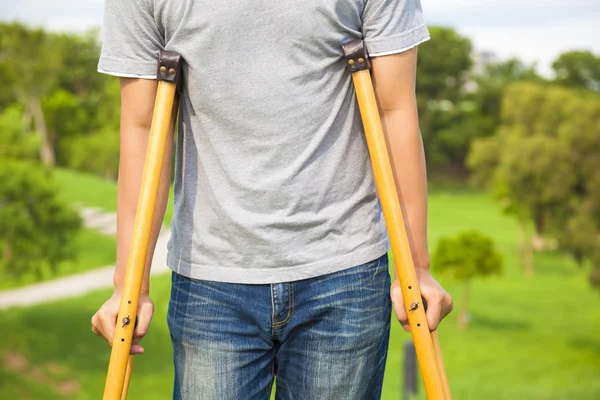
439,302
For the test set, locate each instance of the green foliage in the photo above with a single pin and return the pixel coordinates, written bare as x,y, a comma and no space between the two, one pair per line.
36,226
467,256
29,62
443,70
15,141
535,178
57,85
578,69
97,153
457,106
65,119
444,62
543,164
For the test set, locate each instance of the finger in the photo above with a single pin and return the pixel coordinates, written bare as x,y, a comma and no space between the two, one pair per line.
398,302
136,348
144,317
108,320
97,332
97,326
447,305
434,309
142,324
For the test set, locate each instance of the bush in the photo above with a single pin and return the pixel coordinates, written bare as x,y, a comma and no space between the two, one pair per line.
36,226
97,153
15,141
465,257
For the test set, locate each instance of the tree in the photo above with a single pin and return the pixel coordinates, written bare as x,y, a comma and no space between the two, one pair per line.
53,76
444,64
36,226
468,256
66,120
543,164
578,69
28,64
15,141
491,84
456,104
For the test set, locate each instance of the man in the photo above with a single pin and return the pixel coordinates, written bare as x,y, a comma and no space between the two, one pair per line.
278,245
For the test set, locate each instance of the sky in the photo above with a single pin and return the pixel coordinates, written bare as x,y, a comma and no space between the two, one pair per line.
536,31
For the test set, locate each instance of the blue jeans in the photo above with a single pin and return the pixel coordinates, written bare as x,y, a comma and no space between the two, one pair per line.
320,338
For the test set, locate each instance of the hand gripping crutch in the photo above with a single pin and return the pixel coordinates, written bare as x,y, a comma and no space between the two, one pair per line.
119,369
426,342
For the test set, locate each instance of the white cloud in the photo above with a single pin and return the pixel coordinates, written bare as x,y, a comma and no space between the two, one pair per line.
508,12
536,31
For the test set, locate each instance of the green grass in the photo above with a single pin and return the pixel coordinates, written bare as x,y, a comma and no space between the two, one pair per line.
92,191
87,189
534,339
93,250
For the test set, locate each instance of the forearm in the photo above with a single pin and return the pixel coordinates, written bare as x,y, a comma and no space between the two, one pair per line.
137,106
407,156
131,168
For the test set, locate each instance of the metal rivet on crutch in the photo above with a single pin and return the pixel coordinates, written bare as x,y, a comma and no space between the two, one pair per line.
163,69
361,60
351,62
172,71
126,321
413,306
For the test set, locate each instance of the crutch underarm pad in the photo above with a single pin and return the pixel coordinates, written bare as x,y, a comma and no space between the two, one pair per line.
169,66
356,54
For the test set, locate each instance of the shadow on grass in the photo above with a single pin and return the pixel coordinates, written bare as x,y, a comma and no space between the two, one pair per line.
554,262
585,344
59,334
497,324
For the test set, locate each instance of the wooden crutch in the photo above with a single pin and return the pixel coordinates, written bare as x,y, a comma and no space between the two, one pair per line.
427,345
119,369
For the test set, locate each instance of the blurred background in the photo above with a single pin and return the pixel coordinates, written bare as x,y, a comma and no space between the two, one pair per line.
509,102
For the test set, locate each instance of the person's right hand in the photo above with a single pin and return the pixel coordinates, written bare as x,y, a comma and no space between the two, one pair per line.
104,322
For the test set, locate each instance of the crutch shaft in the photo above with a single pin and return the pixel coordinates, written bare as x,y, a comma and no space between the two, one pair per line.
119,370
127,378
388,196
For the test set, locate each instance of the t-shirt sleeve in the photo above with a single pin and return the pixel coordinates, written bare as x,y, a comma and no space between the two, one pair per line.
393,26
131,39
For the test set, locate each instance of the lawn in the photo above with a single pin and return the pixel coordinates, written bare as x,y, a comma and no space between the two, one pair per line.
93,250
534,339
92,191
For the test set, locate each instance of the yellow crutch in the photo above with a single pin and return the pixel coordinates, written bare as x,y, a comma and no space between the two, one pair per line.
426,343
119,369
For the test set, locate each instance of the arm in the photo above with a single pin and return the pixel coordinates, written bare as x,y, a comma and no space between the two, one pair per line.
394,79
137,108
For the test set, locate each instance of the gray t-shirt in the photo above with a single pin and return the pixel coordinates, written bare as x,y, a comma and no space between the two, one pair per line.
273,180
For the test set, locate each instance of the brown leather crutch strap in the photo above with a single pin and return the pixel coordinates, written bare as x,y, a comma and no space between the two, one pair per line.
426,344
356,55
169,67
